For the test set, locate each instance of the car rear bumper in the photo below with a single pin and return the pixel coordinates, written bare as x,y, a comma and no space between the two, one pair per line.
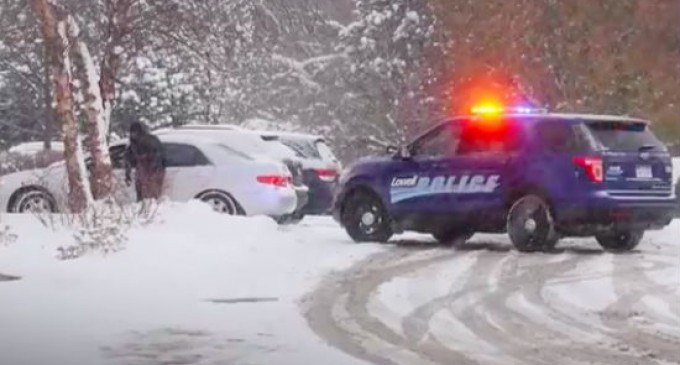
302,195
320,195
273,202
603,211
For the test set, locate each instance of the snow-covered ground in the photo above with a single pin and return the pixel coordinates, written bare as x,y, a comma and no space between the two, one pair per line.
485,303
32,148
194,288
200,288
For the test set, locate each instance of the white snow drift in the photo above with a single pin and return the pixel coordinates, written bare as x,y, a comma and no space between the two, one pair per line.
193,284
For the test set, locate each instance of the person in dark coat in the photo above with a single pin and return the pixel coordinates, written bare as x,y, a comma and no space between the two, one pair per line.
145,155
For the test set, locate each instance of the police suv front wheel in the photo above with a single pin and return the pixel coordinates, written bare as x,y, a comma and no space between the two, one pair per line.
620,241
365,218
531,226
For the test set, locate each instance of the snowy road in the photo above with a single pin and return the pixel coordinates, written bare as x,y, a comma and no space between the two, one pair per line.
487,304
197,288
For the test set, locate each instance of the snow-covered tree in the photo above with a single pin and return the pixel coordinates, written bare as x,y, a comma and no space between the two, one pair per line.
25,110
394,52
96,115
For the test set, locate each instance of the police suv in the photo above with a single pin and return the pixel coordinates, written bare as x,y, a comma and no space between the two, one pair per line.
535,175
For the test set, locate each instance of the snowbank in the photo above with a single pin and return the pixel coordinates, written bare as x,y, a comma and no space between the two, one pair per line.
223,286
32,148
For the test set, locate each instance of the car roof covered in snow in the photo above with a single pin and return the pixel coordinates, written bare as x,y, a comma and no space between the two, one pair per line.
292,135
247,142
222,127
165,136
231,127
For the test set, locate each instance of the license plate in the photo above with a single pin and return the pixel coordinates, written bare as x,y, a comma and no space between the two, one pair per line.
644,172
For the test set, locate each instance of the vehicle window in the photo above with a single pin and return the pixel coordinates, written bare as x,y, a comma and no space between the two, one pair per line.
480,137
183,155
440,143
303,148
625,136
117,154
246,143
560,137
325,152
279,151
233,153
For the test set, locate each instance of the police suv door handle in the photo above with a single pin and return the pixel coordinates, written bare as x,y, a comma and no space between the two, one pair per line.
507,160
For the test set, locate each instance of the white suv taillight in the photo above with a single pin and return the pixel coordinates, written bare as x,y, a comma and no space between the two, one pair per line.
281,181
592,166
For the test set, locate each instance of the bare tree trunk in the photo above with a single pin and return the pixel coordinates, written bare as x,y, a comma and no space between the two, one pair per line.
119,15
48,122
208,104
95,123
53,27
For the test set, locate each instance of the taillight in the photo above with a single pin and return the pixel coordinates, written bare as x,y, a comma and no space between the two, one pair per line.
592,166
327,175
275,180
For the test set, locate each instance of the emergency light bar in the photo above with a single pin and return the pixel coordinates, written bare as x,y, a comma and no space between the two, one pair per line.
495,110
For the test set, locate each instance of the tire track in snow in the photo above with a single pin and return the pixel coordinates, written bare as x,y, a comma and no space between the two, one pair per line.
626,339
362,335
483,302
520,335
629,305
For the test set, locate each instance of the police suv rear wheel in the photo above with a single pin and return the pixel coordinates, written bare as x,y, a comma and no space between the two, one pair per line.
531,226
620,241
365,218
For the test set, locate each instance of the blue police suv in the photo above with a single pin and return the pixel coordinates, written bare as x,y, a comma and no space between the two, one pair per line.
537,176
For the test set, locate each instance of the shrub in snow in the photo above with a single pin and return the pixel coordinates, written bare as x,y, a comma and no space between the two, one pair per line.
103,227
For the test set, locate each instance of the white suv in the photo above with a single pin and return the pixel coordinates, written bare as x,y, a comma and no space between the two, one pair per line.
321,168
256,146
198,167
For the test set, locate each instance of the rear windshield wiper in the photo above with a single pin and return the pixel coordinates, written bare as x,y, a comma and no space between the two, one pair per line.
647,148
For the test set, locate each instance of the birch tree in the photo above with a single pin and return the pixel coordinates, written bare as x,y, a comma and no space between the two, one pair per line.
54,27
119,19
96,124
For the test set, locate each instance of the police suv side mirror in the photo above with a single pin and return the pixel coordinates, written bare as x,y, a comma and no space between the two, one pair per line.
404,153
